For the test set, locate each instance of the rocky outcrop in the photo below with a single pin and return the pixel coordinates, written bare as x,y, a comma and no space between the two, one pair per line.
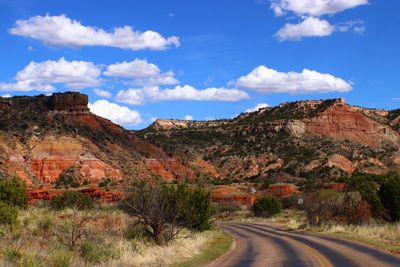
342,163
335,186
48,193
282,190
343,123
228,195
51,156
165,124
69,102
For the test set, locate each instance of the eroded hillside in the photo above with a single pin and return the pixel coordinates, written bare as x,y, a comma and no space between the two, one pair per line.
42,137
286,143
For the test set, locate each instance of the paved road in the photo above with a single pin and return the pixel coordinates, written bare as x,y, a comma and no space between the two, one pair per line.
268,245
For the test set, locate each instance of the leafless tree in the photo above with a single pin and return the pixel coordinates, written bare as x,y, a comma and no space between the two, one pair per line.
73,227
156,209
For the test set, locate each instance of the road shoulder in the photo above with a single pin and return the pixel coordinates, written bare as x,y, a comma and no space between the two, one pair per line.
215,250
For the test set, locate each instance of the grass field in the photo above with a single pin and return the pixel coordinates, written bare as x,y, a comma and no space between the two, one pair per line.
42,235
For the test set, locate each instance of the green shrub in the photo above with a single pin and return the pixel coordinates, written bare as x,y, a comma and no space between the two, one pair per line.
136,231
106,182
290,202
12,253
62,258
13,192
68,179
8,214
367,185
44,223
197,209
267,206
96,254
390,195
31,260
71,199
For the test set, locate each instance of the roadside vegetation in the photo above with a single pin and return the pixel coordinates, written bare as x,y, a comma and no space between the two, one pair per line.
367,209
75,230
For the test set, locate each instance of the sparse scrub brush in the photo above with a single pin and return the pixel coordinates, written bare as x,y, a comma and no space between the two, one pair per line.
62,258
8,214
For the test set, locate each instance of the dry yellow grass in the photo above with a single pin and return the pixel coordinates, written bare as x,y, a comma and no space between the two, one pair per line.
32,242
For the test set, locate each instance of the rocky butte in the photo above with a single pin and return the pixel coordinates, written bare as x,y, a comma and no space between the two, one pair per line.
45,137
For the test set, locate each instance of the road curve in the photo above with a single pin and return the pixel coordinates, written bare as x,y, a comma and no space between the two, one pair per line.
262,245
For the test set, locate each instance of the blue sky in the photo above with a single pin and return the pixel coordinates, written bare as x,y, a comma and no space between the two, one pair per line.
205,59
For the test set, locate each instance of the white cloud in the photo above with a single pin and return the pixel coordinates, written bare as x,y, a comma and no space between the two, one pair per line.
257,107
142,73
6,95
310,27
102,93
44,75
188,118
265,80
62,31
187,92
116,113
357,26
313,7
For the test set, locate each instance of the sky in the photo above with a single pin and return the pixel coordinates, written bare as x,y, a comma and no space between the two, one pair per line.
201,60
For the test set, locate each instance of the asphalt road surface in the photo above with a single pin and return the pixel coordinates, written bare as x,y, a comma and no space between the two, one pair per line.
269,245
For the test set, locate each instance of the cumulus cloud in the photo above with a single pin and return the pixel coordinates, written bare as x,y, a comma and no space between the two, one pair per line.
187,92
315,27
42,76
310,27
102,93
266,80
6,96
115,113
313,7
188,118
141,72
257,107
63,31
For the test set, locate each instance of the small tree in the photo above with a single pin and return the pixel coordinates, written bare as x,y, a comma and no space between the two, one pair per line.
368,187
149,204
390,194
164,210
13,192
195,207
267,206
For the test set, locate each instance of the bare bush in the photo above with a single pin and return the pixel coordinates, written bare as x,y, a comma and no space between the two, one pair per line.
329,206
72,230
